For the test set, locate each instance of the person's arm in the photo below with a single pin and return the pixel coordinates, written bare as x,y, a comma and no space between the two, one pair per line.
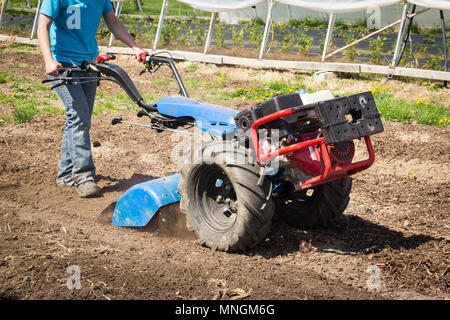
51,65
121,33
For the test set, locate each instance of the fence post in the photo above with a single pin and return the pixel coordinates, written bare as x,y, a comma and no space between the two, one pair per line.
210,31
400,35
36,19
164,9
266,29
444,43
139,5
118,11
2,10
329,35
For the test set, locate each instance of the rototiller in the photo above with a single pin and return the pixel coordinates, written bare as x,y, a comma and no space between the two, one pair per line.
292,154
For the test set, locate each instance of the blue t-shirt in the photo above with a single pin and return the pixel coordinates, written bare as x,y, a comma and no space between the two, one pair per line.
75,23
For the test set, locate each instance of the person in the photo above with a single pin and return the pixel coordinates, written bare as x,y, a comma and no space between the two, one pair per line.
66,35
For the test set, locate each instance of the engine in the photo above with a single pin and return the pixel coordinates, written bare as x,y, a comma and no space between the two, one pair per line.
310,135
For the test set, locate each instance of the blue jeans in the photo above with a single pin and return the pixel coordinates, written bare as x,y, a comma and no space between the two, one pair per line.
76,165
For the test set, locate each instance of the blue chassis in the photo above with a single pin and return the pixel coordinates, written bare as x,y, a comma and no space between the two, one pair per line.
141,202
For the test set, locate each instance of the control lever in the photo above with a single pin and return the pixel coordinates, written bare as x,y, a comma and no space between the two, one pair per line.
116,120
144,58
142,113
105,57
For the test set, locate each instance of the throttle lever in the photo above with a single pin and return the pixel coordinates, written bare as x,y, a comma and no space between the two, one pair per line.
141,113
116,120
143,57
62,83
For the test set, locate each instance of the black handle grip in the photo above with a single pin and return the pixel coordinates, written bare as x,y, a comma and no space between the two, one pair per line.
116,120
141,113
112,56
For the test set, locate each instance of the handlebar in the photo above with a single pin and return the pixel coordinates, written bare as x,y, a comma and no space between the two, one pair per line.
107,71
154,60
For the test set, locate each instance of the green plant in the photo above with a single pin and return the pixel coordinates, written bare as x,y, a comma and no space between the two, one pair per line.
161,82
169,32
424,111
198,35
219,35
322,44
193,67
101,106
290,40
433,62
304,42
24,113
6,76
264,92
237,36
377,47
256,34
51,109
350,52
429,40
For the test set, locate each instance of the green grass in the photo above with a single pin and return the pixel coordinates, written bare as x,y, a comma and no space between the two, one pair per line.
150,7
264,92
162,82
392,109
6,76
24,113
153,7
51,109
422,112
26,98
101,106
117,98
193,67
29,97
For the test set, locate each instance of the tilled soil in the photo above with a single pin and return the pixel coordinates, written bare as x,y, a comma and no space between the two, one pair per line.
395,227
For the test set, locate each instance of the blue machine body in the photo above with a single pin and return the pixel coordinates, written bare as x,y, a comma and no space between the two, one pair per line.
209,118
140,203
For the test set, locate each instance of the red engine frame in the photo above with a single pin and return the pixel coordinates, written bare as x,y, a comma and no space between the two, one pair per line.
330,173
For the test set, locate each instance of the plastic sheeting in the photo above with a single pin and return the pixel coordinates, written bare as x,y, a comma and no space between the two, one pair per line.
327,6
339,6
221,5
434,4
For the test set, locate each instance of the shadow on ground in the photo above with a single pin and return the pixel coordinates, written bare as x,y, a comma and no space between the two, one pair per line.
355,235
121,185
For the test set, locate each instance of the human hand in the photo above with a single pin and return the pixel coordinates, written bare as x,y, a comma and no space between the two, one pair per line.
140,54
51,67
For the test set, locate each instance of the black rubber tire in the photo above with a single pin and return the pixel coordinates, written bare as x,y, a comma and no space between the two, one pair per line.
323,209
252,217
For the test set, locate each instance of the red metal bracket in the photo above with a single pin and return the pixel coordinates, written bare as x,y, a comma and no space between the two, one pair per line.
103,58
330,173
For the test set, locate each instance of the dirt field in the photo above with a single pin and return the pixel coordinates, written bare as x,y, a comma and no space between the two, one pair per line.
397,221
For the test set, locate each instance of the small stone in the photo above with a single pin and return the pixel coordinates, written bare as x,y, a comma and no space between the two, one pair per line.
324,76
